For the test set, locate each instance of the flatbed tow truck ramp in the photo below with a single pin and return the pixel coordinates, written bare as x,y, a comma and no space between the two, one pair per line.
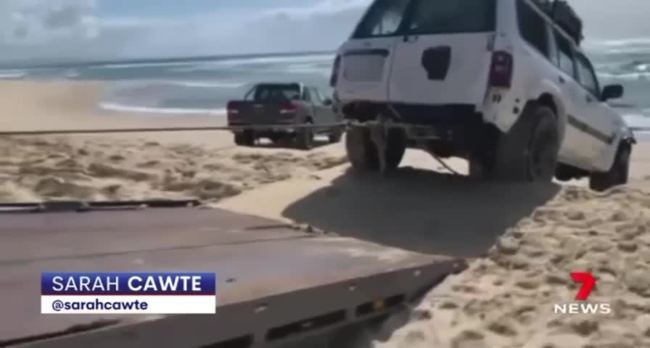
275,283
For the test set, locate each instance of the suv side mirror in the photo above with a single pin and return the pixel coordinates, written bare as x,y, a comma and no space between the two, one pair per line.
327,102
611,92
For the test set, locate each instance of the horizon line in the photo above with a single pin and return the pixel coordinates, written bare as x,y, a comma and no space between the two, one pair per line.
178,59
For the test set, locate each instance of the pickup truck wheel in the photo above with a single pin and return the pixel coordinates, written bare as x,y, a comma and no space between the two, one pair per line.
335,136
276,138
305,137
530,150
617,175
246,138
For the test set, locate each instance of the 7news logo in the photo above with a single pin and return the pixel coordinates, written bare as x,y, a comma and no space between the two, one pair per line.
587,283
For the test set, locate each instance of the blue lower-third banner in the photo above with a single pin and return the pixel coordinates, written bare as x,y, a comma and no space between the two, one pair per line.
128,293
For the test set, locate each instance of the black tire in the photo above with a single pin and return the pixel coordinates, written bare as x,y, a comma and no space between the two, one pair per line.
529,152
305,137
482,158
617,175
335,136
478,168
245,138
395,148
276,137
362,152
564,173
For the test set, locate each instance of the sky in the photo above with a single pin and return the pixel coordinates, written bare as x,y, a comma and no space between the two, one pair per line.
78,30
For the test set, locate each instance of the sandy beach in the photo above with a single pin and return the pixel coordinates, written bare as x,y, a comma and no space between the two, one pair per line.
523,240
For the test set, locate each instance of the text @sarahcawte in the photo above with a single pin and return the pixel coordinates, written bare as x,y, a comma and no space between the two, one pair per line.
128,293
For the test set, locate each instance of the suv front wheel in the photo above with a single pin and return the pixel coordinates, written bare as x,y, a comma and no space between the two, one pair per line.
617,175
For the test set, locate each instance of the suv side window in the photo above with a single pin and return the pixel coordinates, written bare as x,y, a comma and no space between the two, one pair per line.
587,76
383,19
565,54
533,27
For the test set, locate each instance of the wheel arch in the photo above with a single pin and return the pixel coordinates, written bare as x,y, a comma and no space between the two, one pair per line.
625,138
548,95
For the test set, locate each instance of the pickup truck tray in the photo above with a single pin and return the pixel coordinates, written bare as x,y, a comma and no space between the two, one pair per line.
275,282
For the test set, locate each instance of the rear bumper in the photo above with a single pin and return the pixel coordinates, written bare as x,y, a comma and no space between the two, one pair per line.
265,128
414,114
459,125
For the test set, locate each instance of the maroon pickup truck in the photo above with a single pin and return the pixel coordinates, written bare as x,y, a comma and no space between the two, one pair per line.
283,111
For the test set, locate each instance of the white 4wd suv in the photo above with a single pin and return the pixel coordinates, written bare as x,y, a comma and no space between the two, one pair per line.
502,83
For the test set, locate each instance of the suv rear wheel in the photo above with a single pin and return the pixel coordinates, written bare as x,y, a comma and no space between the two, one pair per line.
362,152
617,175
530,150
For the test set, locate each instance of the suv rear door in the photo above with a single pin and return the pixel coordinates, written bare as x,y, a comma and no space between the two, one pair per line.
366,58
576,146
444,53
599,120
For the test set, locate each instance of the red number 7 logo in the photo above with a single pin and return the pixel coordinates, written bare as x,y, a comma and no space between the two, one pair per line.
588,282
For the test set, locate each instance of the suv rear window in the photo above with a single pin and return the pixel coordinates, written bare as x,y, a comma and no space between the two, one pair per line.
275,93
401,17
382,19
452,16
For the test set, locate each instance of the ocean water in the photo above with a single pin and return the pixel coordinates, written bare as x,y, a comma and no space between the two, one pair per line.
205,86
626,62
188,86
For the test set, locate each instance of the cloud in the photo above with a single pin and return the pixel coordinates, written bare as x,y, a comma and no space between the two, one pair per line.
323,26
612,20
47,31
65,30
29,22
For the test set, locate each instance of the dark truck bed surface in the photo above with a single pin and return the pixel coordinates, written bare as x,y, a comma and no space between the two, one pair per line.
274,282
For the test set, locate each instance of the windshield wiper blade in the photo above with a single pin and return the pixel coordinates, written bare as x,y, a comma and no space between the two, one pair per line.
86,206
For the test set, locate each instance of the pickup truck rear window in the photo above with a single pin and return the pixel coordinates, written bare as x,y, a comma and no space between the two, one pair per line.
276,93
411,17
